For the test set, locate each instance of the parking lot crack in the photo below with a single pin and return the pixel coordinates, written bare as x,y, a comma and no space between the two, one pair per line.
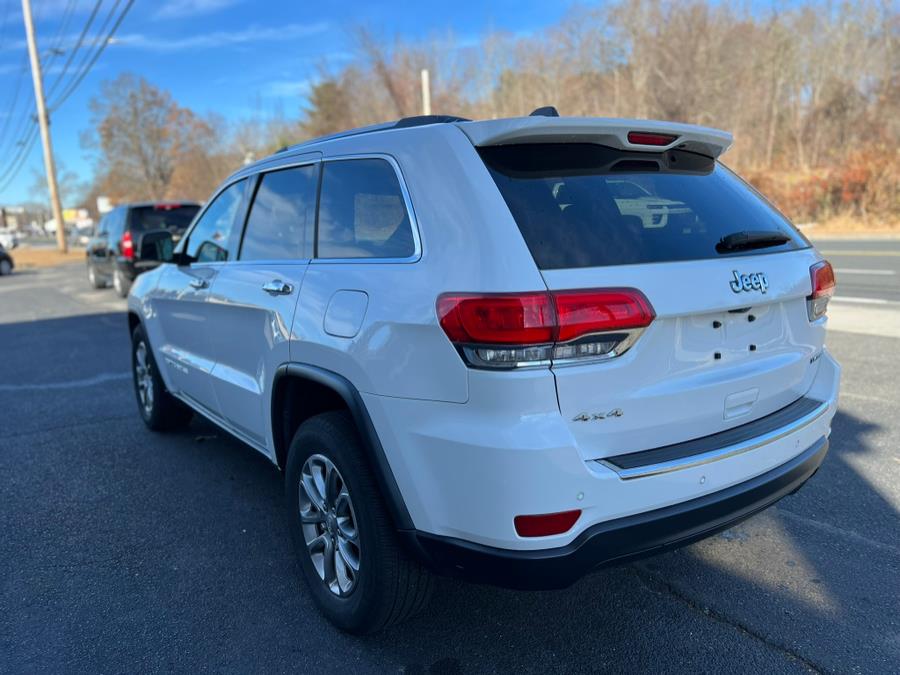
659,586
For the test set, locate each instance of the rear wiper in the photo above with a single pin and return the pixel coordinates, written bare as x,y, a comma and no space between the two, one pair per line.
750,239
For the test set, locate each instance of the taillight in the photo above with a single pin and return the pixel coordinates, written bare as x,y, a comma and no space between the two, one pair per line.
546,524
648,138
822,277
531,329
126,245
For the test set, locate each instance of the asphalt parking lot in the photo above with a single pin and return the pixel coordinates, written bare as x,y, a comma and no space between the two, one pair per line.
125,551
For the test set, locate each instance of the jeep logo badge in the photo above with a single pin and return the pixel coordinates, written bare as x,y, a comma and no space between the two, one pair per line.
749,282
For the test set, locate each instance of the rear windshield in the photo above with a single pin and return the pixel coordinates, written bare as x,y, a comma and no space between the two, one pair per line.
585,205
172,217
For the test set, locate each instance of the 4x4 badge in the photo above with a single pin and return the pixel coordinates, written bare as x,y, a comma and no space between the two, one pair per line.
585,417
749,282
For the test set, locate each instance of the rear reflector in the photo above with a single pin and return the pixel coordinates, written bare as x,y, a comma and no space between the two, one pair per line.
822,278
647,138
513,330
546,524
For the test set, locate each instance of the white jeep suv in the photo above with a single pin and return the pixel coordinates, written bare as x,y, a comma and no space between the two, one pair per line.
469,354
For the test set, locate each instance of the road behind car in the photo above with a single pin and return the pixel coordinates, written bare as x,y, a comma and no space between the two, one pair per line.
124,550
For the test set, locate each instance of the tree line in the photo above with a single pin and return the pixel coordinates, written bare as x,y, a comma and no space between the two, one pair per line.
811,93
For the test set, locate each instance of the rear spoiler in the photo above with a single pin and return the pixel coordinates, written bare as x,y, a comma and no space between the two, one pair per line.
604,131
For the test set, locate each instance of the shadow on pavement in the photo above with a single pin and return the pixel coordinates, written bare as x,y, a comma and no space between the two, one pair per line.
125,549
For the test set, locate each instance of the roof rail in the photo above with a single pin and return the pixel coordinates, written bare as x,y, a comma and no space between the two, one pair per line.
421,120
406,122
403,123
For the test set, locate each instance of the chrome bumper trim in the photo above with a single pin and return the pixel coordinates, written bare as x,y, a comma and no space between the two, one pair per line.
716,455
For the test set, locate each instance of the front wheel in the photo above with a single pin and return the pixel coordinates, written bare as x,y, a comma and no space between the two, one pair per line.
159,409
359,577
5,267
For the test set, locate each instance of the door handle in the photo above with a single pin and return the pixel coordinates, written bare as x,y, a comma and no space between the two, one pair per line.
199,283
277,287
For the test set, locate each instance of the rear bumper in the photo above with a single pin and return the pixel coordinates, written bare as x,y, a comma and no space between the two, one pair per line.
622,539
130,269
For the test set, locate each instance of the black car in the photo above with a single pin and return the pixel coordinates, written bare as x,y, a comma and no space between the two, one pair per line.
6,262
114,252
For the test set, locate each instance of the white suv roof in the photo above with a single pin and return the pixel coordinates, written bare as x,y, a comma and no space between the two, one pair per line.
613,132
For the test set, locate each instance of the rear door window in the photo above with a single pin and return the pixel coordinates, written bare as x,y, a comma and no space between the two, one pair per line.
585,205
362,212
282,216
172,217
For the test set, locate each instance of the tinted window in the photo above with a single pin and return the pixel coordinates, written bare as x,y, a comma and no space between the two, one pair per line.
209,238
172,217
362,213
581,205
115,220
282,215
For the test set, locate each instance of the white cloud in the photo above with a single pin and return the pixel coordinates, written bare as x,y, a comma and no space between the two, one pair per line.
286,88
177,9
214,39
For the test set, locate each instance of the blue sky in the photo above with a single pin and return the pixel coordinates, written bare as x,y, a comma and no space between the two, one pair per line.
232,57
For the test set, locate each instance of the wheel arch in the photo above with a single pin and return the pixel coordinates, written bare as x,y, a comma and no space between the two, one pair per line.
323,390
133,321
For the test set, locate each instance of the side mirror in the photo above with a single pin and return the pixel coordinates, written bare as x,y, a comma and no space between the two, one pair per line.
157,245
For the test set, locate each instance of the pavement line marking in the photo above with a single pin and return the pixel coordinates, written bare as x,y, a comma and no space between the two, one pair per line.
834,530
72,384
865,397
895,254
851,270
863,301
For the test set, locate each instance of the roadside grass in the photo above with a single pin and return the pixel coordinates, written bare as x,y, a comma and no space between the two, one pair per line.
26,257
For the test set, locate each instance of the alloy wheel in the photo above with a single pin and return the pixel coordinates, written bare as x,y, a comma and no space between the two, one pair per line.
329,525
143,377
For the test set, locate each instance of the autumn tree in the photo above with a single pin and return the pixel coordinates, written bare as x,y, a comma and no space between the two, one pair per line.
149,147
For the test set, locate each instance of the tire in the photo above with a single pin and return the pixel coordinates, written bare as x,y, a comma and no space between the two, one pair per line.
389,586
121,284
159,409
5,267
94,279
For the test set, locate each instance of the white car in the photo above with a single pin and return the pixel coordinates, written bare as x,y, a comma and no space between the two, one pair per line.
459,373
8,239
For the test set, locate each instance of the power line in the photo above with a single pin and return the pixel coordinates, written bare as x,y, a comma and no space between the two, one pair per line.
55,50
102,46
74,50
27,143
23,68
27,129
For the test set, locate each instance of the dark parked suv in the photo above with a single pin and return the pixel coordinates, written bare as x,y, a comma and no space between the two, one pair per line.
114,252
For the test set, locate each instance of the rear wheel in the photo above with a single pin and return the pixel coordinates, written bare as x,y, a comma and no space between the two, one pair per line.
94,279
159,409
121,284
5,267
359,577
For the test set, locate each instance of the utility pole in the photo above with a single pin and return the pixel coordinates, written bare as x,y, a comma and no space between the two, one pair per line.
44,123
426,93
